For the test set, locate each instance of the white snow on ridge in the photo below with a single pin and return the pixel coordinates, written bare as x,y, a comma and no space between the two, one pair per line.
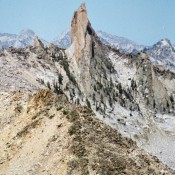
23,39
63,40
120,43
163,53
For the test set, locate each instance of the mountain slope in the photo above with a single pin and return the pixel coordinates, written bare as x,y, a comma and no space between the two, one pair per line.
60,138
125,91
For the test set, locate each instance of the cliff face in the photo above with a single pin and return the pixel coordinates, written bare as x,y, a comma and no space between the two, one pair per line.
81,34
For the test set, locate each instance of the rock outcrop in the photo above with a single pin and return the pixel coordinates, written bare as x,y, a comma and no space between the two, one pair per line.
81,34
38,43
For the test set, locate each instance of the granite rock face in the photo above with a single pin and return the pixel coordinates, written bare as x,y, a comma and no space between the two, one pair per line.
91,64
81,50
81,34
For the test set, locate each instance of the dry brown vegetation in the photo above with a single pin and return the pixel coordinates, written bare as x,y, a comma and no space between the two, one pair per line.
51,136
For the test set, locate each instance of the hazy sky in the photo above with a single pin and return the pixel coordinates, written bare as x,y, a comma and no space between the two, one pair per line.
143,21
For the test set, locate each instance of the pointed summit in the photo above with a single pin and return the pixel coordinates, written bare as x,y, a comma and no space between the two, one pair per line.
27,32
38,43
81,33
79,21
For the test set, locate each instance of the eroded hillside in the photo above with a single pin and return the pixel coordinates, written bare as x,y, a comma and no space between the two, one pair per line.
48,135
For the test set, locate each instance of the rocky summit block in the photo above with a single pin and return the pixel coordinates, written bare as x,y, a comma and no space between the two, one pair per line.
81,33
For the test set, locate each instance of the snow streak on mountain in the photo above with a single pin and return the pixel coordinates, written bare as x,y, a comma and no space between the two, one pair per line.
23,39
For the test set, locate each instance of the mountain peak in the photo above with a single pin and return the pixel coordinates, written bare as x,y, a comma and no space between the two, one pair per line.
82,6
28,32
38,43
165,42
79,21
81,32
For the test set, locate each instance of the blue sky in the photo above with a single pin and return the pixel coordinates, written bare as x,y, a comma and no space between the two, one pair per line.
143,21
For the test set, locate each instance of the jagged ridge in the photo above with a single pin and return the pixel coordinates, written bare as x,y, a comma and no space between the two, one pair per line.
61,138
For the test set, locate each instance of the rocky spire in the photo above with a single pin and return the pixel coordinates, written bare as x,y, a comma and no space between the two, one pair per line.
81,33
38,43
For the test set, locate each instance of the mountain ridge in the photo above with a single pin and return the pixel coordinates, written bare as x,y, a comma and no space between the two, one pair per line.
121,43
158,52
21,40
163,52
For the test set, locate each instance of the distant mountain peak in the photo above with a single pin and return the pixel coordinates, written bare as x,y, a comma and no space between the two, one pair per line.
163,53
63,40
164,42
121,43
23,39
66,32
27,32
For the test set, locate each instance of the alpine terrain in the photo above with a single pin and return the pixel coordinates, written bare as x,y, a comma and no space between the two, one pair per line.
123,44
23,39
163,53
86,109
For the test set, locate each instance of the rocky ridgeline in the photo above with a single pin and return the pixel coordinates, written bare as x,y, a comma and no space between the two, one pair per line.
95,72
126,91
163,53
61,138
